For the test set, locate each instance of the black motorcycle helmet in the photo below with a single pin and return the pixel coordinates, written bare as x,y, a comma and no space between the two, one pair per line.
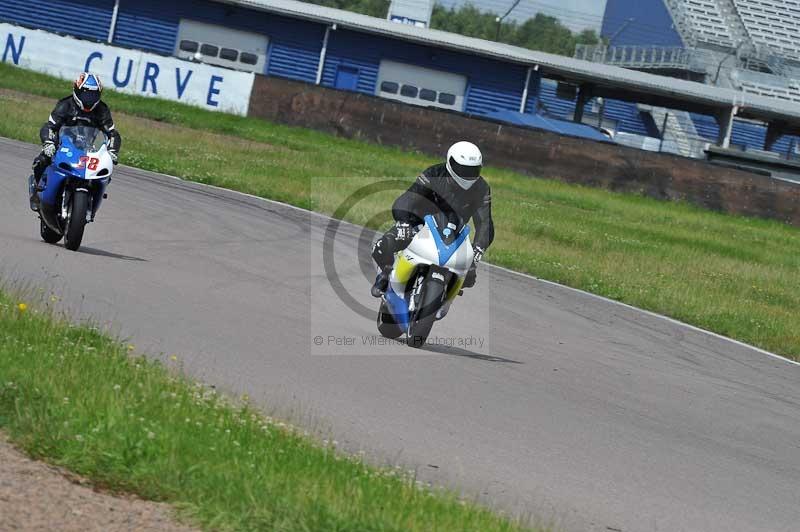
87,90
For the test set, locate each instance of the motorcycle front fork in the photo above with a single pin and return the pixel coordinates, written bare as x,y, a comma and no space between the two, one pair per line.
443,310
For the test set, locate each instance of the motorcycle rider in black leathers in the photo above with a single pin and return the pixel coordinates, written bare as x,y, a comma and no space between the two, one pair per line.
82,108
454,187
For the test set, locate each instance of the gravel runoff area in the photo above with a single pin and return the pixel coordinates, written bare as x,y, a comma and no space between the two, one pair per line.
38,496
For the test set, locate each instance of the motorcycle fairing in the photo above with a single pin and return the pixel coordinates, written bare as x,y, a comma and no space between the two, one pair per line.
69,162
445,251
427,249
398,307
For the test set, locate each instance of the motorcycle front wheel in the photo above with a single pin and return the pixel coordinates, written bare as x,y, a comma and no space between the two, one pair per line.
76,220
419,328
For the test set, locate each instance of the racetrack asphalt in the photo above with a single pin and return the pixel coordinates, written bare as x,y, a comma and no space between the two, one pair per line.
585,413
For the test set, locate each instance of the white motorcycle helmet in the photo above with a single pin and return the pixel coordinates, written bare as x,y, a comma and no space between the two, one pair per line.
464,163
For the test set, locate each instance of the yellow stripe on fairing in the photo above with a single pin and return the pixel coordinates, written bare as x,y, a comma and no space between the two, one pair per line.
403,268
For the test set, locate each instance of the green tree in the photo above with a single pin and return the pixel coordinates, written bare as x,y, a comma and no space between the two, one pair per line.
373,8
541,32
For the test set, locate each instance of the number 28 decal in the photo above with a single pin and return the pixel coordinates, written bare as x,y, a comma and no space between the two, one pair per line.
92,162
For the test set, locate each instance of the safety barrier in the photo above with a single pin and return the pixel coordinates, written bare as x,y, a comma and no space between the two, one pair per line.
131,71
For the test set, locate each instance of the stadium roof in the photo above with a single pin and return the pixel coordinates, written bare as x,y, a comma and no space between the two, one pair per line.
610,81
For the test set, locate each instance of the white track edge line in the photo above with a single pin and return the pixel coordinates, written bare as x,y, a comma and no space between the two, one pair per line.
653,314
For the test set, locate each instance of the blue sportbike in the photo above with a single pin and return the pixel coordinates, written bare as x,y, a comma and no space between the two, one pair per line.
73,187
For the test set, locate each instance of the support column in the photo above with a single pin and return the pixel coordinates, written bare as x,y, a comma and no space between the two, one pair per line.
725,122
531,91
323,52
113,26
584,95
524,100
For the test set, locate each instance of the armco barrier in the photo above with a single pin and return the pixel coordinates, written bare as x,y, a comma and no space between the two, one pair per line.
130,71
533,152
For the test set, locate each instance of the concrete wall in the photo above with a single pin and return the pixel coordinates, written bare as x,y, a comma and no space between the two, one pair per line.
532,152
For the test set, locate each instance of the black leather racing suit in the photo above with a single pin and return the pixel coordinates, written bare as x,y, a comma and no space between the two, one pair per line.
67,112
435,191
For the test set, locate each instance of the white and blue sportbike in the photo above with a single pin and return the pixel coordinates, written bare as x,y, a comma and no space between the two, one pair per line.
426,278
73,186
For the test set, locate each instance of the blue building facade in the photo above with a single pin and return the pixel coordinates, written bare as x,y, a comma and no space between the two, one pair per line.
66,17
152,25
491,85
639,22
353,58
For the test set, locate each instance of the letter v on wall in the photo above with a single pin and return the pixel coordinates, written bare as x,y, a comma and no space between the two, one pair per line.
181,85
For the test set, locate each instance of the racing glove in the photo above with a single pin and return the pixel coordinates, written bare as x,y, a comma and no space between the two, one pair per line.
49,148
472,275
113,150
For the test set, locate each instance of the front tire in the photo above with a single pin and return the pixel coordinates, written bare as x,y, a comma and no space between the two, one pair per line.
419,328
76,220
48,235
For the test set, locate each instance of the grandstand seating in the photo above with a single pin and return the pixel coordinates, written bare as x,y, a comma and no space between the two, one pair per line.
703,21
746,135
790,93
773,23
626,115
763,34
680,136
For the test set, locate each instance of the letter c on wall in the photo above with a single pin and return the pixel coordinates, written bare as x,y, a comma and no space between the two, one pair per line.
92,57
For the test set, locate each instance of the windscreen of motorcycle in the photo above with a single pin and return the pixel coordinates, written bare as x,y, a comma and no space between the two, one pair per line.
425,248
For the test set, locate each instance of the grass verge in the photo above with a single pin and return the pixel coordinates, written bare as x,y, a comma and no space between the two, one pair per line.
733,275
78,399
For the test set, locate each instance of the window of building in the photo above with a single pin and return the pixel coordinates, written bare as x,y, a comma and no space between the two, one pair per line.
248,58
409,91
427,95
189,46
209,50
229,54
447,98
390,86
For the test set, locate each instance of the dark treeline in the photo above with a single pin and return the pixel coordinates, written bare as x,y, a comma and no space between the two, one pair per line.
373,8
542,32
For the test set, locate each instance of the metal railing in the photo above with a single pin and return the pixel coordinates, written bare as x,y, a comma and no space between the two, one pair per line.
644,57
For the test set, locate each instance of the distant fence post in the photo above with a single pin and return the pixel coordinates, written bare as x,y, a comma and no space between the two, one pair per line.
663,132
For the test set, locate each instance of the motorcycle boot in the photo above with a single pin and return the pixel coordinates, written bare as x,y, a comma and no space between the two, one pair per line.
381,282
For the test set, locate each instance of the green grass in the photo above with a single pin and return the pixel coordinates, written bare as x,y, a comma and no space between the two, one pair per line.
76,398
733,275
